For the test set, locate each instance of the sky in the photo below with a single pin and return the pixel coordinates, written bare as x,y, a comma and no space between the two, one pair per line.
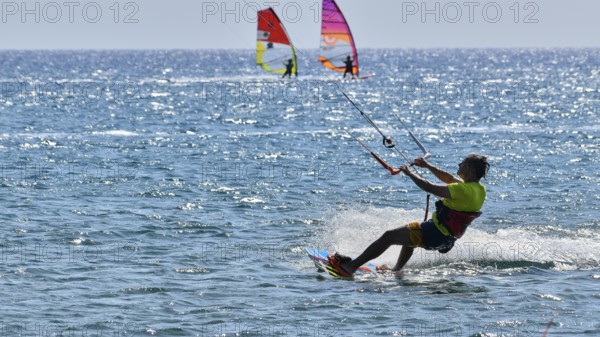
231,24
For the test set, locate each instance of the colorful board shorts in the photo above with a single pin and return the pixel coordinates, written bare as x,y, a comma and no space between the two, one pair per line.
426,235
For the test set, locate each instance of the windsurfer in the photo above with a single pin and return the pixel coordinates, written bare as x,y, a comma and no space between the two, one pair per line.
349,67
288,69
462,198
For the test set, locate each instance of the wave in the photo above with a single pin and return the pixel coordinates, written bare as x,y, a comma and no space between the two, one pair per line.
351,231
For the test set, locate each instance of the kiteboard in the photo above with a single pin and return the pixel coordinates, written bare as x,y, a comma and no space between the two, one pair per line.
319,257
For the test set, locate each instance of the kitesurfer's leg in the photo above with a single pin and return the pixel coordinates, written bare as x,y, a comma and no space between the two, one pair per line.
398,236
405,254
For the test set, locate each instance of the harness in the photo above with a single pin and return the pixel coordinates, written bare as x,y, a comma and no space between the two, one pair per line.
456,222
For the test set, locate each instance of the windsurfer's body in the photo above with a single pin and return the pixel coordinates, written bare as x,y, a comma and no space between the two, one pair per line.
289,66
462,199
349,67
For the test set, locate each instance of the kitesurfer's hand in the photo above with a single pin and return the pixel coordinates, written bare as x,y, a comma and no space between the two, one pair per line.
404,169
420,162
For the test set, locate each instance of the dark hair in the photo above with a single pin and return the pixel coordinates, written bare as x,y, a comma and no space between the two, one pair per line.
478,164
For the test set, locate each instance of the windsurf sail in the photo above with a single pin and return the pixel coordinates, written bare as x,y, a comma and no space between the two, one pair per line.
273,47
337,44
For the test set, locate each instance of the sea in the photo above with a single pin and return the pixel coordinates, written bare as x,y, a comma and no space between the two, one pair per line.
174,192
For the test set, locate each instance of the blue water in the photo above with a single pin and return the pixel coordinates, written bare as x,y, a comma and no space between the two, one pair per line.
172,193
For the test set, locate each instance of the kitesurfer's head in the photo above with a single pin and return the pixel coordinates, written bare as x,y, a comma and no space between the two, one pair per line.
473,167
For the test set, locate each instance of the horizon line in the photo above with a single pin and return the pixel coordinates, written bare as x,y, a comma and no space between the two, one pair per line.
315,49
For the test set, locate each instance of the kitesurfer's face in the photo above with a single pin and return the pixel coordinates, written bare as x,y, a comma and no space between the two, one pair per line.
465,171
462,169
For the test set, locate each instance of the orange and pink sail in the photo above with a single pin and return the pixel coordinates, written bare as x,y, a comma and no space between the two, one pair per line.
337,43
273,47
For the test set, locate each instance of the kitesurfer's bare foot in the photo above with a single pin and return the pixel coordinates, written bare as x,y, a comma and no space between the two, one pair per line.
383,267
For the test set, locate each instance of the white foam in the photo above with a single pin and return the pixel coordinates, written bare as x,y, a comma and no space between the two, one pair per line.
252,200
123,133
351,231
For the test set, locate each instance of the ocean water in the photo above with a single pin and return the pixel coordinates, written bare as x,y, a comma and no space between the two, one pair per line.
171,193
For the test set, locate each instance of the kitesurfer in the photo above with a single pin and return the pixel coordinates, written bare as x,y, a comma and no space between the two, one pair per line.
462,198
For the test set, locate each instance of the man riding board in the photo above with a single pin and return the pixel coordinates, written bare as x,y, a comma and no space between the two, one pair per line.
462,198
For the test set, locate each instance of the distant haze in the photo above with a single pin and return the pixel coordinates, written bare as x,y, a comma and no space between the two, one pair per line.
189,24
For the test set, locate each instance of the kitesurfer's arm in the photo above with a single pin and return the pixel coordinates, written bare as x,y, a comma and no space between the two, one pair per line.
439,173
441,191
